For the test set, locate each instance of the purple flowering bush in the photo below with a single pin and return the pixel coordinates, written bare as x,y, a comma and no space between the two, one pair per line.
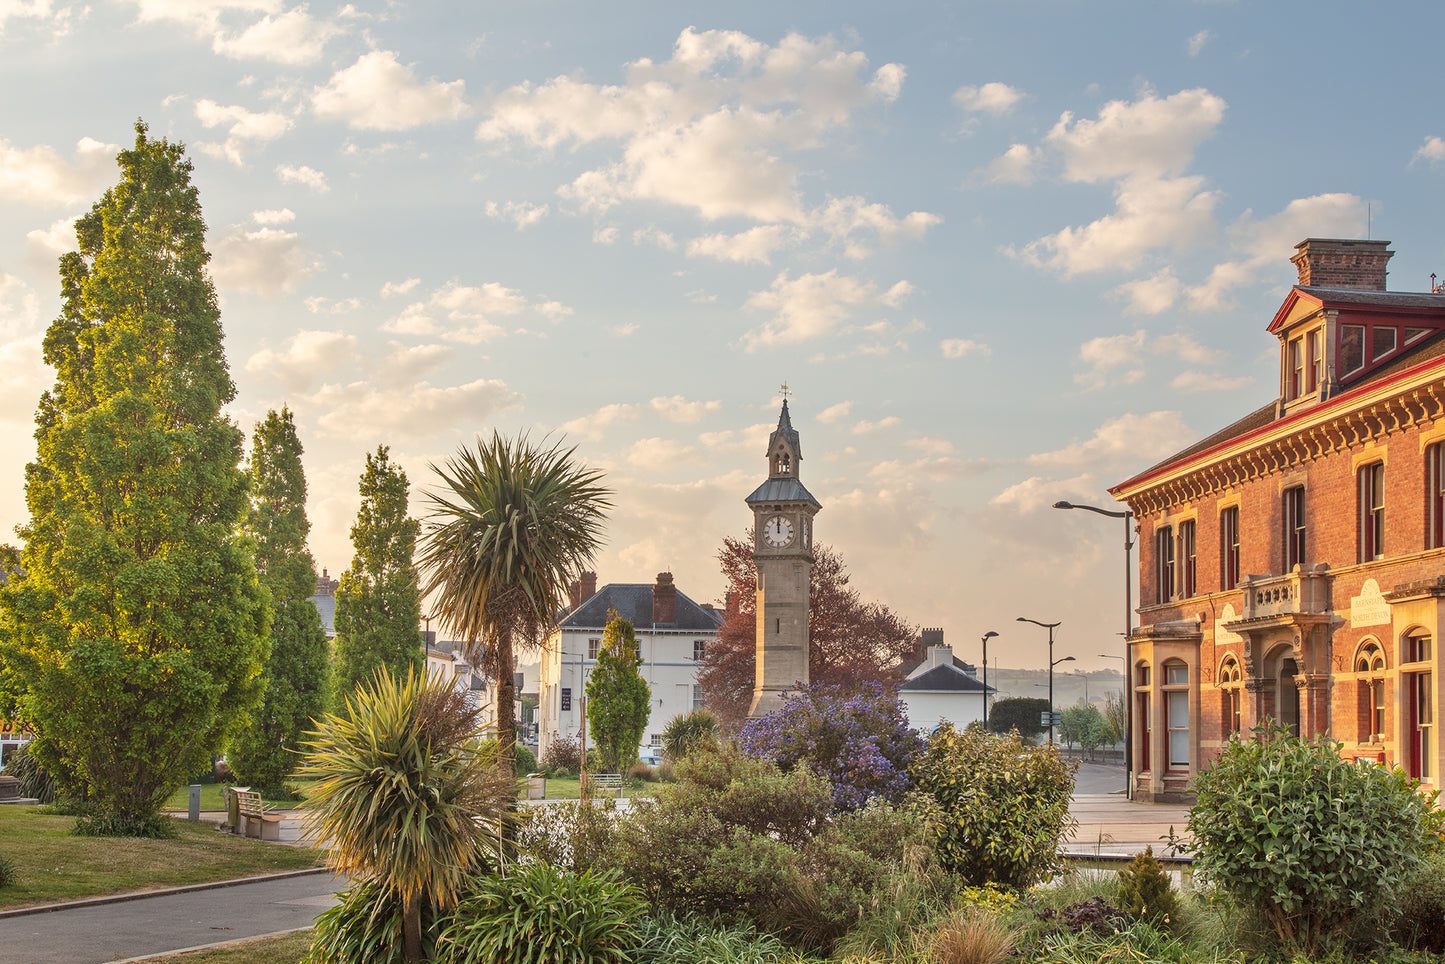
859,739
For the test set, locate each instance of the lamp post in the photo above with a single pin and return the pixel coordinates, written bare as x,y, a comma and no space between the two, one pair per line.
1128,518
1052,663
986,637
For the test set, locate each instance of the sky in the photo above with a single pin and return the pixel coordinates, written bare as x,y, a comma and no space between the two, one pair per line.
1001,253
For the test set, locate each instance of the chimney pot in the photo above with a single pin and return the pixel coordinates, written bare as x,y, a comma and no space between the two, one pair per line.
664,599
589,587
1342,263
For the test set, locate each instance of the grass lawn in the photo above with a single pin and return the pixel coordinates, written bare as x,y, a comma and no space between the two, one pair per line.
55,866
286,949
569,788
213,797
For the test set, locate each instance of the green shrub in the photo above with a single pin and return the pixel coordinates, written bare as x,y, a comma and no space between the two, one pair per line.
687,732
524,761
1290,828
542,915
35,780
8,872
563,755
666,939
1421,921
1001,805
572,835
1144,890
972,936
909,900
107,823
365,927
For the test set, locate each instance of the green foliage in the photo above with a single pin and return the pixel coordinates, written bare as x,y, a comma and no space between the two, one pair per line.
378,605
515,524
407,793
9,873
619,701
35,780
1085,725
1421,921
1114,715
366,927
1144,890
525,759
687,732
542,915
563,755
265,752
1001,805
1020,713
1306,838
666,939
95,822
909,900
972,936
133,633
573,835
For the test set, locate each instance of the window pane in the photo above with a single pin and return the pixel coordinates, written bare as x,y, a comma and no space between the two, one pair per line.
1412,333
1383,341
1352,348
1176,674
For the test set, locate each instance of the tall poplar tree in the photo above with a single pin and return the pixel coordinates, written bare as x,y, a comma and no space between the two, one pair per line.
133,636
619,702
378,605
265,752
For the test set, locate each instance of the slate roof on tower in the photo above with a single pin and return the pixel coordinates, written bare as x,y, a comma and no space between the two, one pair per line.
633,602
785,429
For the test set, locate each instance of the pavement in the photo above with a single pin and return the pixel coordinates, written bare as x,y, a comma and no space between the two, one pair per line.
131,927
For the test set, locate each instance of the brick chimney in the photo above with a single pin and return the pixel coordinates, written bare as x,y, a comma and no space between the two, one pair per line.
574,596
664,599
1335,263
588,587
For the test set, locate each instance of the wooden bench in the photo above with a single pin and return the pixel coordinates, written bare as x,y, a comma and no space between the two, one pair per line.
611,782
255,820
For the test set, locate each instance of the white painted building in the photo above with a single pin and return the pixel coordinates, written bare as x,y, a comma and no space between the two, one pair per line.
445,660
673,633
941,687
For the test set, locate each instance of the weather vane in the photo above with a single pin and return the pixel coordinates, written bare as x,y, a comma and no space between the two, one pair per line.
784,391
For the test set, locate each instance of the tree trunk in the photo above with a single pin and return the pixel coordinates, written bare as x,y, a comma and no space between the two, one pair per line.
506,702
411,928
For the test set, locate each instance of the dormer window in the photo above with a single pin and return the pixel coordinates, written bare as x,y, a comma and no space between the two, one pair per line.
1305,360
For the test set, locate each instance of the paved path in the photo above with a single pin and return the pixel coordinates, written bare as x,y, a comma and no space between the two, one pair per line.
126,929
1107,823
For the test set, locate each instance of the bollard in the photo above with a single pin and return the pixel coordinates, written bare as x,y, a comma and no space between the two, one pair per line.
195,810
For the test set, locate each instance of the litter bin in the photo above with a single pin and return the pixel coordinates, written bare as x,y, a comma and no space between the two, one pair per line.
233,808
536,786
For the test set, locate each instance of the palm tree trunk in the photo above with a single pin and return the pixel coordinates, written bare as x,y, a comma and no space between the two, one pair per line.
506,702
411,928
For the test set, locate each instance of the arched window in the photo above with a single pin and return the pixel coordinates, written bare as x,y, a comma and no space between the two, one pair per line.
1231,685
1370,689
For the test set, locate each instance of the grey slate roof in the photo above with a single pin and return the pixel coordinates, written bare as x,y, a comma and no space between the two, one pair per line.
782,490
326,607
633,601
785,428
1366,296
945,679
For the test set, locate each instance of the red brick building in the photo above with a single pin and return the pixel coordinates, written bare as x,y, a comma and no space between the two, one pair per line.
1292,565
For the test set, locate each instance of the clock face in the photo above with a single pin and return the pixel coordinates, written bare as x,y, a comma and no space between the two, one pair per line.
778,532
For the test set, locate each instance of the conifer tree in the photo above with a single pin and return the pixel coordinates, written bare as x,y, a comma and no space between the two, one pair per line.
619,701
378,604
265,752
133,638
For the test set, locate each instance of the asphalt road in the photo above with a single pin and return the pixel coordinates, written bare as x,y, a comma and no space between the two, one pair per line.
1096,778
154,925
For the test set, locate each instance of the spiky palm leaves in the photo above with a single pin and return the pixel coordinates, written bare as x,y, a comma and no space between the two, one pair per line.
408,794
514,523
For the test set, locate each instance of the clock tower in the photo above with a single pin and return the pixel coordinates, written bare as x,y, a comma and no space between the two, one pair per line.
783,513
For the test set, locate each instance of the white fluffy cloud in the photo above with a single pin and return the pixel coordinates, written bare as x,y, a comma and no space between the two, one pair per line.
1014,166
407,364
245,130
595,423
520,213
714,129
676,408
293,37
1432,151
755,245
1196,43
961,347
991,98
304,359
1118,359
815,305
202,14
23,376
45,245
379,93
40,176
658,454
866,427
1150,136
362,411
303,175
265,261
19,307
1123,440
459,312
834,413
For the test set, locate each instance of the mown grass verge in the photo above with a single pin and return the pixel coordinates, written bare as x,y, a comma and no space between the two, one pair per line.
286,949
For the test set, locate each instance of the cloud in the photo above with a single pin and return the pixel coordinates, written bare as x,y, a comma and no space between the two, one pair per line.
1127,439
266,261
992,98
939,468
930,445
592,426
1151,213
19,308
865,427
655,235
318,305
1319,216
834,413
1106,354
399,287
273,217
303,175
676,408
1193,382
407,364
304,359
658,454
715,130
46,245
961,347
754,245
1196,43
468,308
623,330
293,37
814,305
1015,166
1432,151
361,411
1036,493
1150,136
1152,295
379,94
521,213
56,21
40,176
200,14
245,130
23,376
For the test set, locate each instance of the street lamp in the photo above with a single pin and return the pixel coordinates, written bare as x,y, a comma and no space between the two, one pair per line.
1052,663
1128,518
986,637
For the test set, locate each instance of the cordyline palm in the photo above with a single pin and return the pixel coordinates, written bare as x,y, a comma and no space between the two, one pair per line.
515,523
408,793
